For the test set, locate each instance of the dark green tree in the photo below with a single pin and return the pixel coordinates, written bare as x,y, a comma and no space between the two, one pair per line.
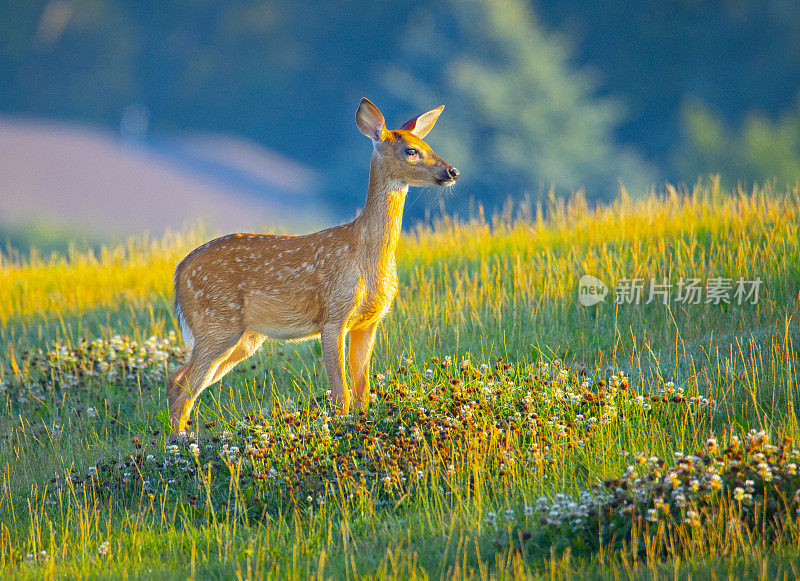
519,117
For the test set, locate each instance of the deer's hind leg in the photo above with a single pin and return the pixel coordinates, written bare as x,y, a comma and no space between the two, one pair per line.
189,381
247,345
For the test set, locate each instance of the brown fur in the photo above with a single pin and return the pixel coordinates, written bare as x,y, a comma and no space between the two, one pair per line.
236,291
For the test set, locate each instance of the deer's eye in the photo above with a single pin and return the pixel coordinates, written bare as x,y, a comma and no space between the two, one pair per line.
412,152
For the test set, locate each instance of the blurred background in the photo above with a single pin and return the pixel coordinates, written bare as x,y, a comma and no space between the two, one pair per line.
126,116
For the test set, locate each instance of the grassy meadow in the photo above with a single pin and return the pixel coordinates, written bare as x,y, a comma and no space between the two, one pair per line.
513,432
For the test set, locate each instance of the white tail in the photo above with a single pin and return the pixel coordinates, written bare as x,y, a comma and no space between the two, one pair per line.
236,291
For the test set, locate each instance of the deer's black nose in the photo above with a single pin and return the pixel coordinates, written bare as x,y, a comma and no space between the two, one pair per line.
453,173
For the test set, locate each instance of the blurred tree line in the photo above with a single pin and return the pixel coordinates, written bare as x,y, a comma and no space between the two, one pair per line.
552,93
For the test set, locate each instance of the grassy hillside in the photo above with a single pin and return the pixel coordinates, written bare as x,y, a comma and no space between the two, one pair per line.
513,430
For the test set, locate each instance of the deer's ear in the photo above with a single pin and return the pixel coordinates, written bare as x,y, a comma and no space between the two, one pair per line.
370,120
422,124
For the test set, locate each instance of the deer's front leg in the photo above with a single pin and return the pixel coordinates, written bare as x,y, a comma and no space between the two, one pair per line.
332,338
361,342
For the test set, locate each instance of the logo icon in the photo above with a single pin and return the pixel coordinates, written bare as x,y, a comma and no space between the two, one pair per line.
591,290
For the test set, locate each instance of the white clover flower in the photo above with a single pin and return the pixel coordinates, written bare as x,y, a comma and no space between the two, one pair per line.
91,412
738,493
491,519
510,514
528,511
692,518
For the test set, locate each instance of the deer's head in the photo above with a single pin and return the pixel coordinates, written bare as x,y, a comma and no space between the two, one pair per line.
402,153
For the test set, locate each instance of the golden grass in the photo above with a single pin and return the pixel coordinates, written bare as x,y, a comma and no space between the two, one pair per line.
479,289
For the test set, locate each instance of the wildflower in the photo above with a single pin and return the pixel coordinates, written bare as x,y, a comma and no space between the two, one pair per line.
528,511
91,412
510,515
491,519
194,449
738,493
652,515
102,550
692,518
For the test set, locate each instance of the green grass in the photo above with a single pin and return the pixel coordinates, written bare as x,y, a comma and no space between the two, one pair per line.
490,432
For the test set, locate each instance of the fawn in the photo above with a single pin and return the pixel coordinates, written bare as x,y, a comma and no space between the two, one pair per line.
236,291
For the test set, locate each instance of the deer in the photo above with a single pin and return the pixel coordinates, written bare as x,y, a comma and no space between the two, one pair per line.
236,291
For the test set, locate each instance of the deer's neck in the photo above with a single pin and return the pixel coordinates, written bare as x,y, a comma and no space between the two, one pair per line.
381,220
